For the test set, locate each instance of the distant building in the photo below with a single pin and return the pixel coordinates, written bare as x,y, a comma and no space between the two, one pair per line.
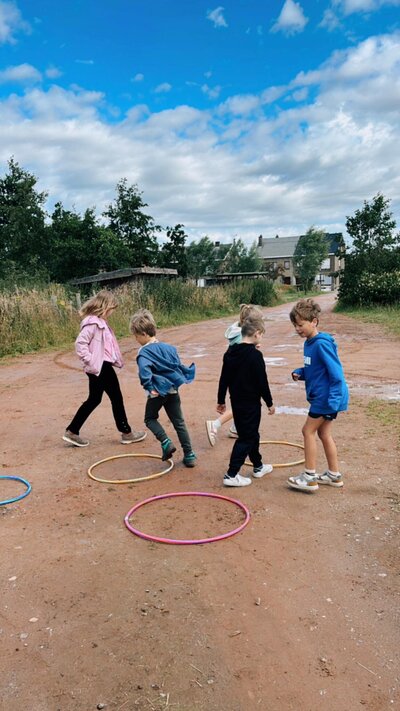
123,276
278,252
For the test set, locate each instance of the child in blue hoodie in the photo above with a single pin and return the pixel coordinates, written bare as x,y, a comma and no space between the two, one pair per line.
161,373
327,393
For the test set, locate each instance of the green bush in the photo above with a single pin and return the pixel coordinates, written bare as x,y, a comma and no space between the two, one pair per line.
370,288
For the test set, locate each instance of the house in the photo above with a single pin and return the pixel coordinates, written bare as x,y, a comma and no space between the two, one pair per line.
277,252
122,276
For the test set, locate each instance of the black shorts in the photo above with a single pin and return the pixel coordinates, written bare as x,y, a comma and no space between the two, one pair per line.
331,416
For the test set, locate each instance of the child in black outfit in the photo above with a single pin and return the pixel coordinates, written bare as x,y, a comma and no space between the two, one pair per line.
244,374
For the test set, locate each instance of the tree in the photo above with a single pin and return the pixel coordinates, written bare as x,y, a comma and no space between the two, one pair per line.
201,258
22,221
80,246
173,253
309,253
132,226
242,259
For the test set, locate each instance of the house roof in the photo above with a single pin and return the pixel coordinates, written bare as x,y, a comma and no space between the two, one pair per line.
123,274
283,247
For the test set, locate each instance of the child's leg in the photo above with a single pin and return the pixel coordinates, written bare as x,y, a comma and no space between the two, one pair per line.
96,390
153,407
328,443
225,417
173,409
213,426
310,428
113,390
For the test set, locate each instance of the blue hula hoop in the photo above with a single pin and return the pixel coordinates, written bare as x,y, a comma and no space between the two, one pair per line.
21,496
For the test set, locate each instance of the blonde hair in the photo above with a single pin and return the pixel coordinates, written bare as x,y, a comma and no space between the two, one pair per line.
98,304
306,310
249,311
143,322
253,324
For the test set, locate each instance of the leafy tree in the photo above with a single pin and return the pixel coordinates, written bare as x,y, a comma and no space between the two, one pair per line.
371,228
173,253
132,226
80,246
374,256
242,259
309,253
202,258
22,222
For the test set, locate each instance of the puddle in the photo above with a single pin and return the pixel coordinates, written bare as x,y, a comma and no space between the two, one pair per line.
287,410
381,391
275,361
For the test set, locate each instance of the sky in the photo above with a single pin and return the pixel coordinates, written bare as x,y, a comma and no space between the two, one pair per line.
246,118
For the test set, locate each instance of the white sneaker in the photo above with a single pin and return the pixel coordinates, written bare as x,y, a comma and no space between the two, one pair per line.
304,482
330,479
261,471
211,432
237,480
232,432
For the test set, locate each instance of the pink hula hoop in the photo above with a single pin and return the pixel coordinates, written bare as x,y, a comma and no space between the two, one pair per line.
193,541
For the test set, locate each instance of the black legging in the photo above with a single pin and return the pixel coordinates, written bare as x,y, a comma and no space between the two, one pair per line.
105,382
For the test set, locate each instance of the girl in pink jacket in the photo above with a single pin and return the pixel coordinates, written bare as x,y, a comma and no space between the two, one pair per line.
98,350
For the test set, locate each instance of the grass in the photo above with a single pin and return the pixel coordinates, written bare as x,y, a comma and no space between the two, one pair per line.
386,316
386,413
45,318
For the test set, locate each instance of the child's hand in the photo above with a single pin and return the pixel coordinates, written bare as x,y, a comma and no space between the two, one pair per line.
258,346
154,392
271,410
295,376
221,409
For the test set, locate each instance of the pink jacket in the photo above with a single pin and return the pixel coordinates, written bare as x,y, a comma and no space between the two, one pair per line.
89,346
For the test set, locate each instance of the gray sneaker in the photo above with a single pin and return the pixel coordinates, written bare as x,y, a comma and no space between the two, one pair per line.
132,437
75,439
330,479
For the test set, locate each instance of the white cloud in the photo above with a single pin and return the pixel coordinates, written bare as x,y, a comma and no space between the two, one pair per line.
212,92
138,77
238,167
350,6
163,88
53,73
21,74
216,16
11,22
291,19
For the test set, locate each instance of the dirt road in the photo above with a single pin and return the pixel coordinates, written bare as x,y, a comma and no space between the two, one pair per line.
298,611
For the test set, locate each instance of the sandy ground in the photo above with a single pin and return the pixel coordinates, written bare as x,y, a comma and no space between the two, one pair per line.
298,611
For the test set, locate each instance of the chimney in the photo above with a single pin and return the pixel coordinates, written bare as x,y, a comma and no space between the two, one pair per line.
276,236
217,244
260,240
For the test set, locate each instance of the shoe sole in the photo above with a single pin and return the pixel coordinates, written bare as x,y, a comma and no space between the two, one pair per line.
237,486
307,490
190,465
211,436
233,435
133,441
76,444
335,484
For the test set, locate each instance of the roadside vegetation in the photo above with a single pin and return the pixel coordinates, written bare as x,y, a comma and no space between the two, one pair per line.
47,317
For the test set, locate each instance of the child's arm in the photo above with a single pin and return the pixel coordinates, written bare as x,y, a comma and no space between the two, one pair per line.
265,392
82,342
298,374
145,373
335,375
222,388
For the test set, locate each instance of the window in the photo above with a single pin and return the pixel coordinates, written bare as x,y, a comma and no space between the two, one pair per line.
326,264
286,264
275,265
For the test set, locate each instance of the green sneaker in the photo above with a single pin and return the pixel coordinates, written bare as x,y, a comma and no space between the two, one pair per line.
190,459
167,449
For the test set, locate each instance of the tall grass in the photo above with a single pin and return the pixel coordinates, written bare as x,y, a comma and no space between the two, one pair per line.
35,319
386,316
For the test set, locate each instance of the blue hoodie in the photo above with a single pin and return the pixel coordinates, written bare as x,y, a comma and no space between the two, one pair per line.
326,388
160,368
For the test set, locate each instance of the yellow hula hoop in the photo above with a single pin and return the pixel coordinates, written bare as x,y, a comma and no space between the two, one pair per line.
285,464
128,481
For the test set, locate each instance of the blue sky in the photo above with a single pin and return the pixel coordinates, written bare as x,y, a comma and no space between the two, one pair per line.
237,119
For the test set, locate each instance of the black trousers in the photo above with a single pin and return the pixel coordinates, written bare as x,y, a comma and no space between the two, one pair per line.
247,417
105,382
172,406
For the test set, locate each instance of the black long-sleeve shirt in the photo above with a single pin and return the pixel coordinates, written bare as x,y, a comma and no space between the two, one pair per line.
244,374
